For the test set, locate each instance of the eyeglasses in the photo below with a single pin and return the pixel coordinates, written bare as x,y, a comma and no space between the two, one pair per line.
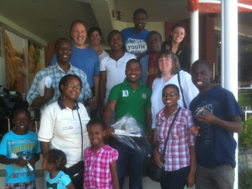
74,86
170,95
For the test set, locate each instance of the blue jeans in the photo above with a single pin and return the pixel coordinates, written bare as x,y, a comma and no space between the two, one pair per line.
131,161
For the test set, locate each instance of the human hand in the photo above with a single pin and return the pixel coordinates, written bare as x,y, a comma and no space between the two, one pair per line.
109,130
150,136
21,162
157,157
48,92
190,180
207,118
32,162
195,130
93,103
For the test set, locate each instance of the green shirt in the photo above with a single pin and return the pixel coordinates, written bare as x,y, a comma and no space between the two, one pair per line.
129,101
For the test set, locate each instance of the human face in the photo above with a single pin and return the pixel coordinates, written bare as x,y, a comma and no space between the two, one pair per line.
165,64
170,97
63,51
201,77
79,35
178,34
95,38
133,71
21,122
96,135
115,41
154,43
140,21
71,89
45,164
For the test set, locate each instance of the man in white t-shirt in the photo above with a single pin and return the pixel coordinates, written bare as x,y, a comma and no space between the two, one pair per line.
112,67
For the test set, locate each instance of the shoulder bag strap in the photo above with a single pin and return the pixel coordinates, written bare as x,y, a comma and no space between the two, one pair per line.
181,90
81,133
163,153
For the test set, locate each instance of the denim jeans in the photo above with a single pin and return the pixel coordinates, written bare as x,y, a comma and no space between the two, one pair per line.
129,161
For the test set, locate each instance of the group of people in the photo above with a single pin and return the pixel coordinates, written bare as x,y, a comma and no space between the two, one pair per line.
140,77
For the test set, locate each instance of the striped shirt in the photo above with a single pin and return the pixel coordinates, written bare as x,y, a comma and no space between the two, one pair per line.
177,153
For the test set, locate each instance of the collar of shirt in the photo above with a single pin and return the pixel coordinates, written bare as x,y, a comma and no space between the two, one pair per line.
70,69
62,106
161,115
125,82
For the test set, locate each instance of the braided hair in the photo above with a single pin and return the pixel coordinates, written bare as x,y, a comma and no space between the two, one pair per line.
57,157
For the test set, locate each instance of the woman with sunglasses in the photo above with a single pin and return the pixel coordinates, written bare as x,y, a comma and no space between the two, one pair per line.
61,123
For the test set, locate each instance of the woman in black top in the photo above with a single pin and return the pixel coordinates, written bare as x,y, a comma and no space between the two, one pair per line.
177,44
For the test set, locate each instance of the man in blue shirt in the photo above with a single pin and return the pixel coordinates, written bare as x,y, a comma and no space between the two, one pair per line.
217,120
135,38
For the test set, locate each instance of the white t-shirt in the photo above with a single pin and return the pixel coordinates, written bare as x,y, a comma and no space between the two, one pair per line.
115,70
102,55
189,91
61,127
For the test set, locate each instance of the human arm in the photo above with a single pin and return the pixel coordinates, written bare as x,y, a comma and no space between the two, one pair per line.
113,170
102,87
96,86
157,155
34,159
191,176
148,121
42,100
7,161
45,147
108,112
70,186
195,130
34,98
233,124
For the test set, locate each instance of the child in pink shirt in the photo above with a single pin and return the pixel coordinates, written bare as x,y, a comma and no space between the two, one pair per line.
100,159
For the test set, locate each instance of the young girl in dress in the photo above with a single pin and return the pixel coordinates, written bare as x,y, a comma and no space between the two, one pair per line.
19,150
100,159
54,162
180,156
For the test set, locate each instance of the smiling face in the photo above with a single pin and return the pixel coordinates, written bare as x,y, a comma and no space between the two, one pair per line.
95,38
63,51
133,71
165,64
71,89
170,96
21,121
140,21
201,77
115,41
154,43
178,34
96,135
79,35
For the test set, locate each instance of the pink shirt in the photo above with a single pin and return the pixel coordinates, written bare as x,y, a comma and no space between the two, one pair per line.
97,167
177,153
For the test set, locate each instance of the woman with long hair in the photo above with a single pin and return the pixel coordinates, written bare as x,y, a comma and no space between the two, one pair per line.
177,44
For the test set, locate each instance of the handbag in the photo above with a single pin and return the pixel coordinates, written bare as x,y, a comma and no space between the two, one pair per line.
153,171
76,171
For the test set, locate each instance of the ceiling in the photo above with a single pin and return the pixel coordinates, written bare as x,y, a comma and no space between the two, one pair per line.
51,19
